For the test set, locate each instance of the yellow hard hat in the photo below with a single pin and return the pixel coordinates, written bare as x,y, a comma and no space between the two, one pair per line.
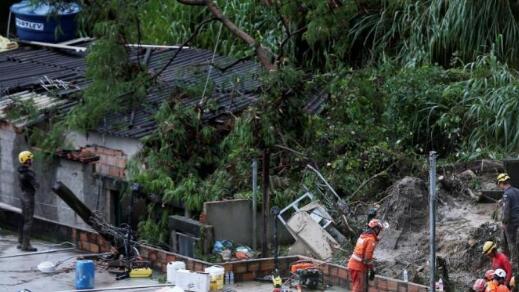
25,156
502,177
488,247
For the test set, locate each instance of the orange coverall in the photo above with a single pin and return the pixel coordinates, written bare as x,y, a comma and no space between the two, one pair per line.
361,260
494,286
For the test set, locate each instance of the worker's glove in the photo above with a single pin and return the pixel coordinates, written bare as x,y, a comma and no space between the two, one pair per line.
371,275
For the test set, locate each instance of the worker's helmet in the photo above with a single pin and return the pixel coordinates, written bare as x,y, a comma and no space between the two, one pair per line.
502,177
489,275
479,285
500,274
488,247
25,156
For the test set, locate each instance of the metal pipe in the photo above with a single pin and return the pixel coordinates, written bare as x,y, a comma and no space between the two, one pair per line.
324,180
432,218
254,202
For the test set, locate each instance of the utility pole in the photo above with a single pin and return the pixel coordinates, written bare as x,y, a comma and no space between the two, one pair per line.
254,202
266,202
432,219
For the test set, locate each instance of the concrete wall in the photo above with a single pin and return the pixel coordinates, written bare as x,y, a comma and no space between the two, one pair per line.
232,220
90,182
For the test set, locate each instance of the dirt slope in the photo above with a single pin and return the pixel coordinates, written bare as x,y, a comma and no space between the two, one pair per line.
462,227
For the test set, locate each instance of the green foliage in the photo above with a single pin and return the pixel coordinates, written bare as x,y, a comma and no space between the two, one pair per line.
21,109
437,31
428,75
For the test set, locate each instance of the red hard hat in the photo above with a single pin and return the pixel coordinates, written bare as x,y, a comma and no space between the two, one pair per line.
479,285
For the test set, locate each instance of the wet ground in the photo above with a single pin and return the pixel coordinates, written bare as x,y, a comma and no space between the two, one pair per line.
19,271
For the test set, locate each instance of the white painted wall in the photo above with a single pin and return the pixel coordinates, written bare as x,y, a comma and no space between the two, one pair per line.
129,146
77,176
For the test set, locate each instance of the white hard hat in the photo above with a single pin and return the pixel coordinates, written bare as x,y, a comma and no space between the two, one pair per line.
500,273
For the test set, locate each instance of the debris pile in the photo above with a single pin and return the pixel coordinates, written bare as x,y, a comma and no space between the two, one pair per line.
464,223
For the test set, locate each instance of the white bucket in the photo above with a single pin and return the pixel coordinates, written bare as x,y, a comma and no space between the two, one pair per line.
217,275
172,268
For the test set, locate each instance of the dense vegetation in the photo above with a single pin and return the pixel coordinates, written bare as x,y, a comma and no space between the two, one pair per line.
402,78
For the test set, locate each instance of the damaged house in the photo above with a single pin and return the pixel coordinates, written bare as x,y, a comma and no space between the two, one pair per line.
52,79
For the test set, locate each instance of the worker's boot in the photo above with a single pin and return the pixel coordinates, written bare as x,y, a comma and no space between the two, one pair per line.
29,248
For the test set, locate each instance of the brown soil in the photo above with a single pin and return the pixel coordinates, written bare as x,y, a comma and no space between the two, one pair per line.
463,225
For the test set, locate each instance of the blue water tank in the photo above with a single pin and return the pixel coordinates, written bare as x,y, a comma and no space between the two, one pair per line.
85,274
40,22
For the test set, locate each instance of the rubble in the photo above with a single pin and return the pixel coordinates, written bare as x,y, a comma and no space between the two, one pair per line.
463,225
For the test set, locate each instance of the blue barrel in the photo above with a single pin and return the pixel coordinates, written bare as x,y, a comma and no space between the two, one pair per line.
85,274
40,22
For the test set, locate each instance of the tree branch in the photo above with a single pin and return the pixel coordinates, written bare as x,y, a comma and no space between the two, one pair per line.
195,33
261,52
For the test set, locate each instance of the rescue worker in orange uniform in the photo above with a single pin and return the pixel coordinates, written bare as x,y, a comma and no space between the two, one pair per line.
498,284
360,264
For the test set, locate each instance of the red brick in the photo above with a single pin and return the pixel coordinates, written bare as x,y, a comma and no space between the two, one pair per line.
228,267
342,273
372,289
382,284
94,248
83,236
170,258
413,288
83,245
240,268
392,285
152,255
267,265
402,287
253,267
247,277
334,271
199,267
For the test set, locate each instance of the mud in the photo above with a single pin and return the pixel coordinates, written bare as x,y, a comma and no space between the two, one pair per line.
463,225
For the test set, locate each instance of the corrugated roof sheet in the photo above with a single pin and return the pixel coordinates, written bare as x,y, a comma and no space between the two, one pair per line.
39,70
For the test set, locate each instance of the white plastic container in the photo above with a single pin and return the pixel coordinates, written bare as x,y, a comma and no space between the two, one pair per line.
192,281
217,274
172,268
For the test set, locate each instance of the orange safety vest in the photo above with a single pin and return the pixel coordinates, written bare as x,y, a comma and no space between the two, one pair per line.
362,257
493,286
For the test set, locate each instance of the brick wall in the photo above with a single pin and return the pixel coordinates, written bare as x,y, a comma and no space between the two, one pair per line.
111,162
247,270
